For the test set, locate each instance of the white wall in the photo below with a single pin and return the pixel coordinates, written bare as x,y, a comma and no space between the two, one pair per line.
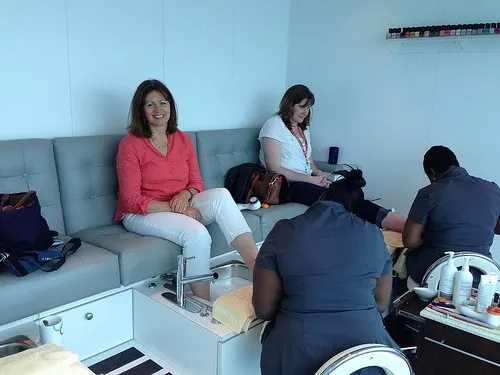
71,67
385,108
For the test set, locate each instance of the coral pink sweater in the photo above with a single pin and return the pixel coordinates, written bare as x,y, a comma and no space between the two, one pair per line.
144,174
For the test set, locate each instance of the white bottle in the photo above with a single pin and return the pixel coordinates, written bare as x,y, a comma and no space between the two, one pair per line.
447,277
462,286
486,291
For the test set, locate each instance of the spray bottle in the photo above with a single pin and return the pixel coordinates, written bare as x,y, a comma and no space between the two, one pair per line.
447,278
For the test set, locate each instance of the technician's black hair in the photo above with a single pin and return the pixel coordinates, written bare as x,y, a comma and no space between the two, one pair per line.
439,159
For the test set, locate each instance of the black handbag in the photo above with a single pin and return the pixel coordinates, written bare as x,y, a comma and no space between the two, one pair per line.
22,226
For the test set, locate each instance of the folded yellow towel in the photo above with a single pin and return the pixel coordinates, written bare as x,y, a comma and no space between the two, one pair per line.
235,309
44,360
392,238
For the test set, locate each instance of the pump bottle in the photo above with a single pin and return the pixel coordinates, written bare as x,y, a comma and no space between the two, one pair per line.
447,278
462,286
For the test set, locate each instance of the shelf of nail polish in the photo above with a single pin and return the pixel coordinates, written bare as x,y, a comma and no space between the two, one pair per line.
445,31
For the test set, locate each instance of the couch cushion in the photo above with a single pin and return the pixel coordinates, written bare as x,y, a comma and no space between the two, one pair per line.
29,164
140,257
87,177
270,216
220,150
219,245
89,271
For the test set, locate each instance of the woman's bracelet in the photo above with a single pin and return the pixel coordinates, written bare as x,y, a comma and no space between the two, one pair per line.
192,195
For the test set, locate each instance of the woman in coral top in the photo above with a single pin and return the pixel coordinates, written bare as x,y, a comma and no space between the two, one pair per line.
161,190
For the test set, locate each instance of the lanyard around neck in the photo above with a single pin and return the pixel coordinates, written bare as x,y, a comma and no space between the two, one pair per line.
303,145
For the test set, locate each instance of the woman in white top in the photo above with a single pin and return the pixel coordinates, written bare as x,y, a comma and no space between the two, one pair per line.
285,147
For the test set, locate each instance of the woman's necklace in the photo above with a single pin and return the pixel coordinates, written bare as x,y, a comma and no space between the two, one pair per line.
158,146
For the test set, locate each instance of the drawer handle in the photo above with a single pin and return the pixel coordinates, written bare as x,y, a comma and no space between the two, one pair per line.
461,351
89,316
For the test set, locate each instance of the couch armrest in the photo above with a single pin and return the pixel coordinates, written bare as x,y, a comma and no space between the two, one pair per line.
329,168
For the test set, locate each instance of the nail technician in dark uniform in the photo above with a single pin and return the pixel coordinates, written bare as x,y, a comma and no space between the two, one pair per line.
322,279
456,212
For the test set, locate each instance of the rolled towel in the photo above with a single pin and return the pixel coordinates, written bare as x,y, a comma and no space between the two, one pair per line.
235,309
44,360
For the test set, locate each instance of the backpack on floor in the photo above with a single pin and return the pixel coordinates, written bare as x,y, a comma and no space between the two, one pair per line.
239,180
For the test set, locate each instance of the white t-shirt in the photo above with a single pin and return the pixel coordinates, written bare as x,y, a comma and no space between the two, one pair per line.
292,156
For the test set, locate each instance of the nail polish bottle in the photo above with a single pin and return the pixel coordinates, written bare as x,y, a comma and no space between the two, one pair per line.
457,30
469,29
493,26
427,31
486,30
435,31
474,29
480,29
441,30
397,32
463,30
417,32
412,32
447,30
407,33
497,29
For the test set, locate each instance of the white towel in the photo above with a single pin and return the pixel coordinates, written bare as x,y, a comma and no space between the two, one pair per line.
44,360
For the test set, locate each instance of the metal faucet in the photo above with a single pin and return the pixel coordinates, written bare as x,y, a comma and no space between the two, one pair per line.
183,280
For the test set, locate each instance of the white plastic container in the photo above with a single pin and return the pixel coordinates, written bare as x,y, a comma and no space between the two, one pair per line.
489,318
486,291
447,277
51,330
462,285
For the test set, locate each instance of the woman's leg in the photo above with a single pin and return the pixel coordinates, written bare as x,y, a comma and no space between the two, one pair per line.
305,193
380,216
218,205
190,234
394,222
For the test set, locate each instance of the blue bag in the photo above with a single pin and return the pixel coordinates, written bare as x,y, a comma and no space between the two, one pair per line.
46,260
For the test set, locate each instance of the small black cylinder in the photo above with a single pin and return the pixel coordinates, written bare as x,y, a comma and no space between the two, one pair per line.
333,155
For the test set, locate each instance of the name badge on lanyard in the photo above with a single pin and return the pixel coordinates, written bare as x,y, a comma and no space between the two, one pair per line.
304,145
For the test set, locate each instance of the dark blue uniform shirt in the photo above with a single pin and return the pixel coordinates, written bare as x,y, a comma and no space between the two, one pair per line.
329,261
460,213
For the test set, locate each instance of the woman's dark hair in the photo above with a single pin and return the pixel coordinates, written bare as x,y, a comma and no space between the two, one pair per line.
347,191
439,159
294,95
138,124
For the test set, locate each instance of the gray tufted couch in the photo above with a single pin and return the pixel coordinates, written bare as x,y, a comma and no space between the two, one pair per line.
76,183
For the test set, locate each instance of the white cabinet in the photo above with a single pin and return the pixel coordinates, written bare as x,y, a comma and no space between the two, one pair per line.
99,325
